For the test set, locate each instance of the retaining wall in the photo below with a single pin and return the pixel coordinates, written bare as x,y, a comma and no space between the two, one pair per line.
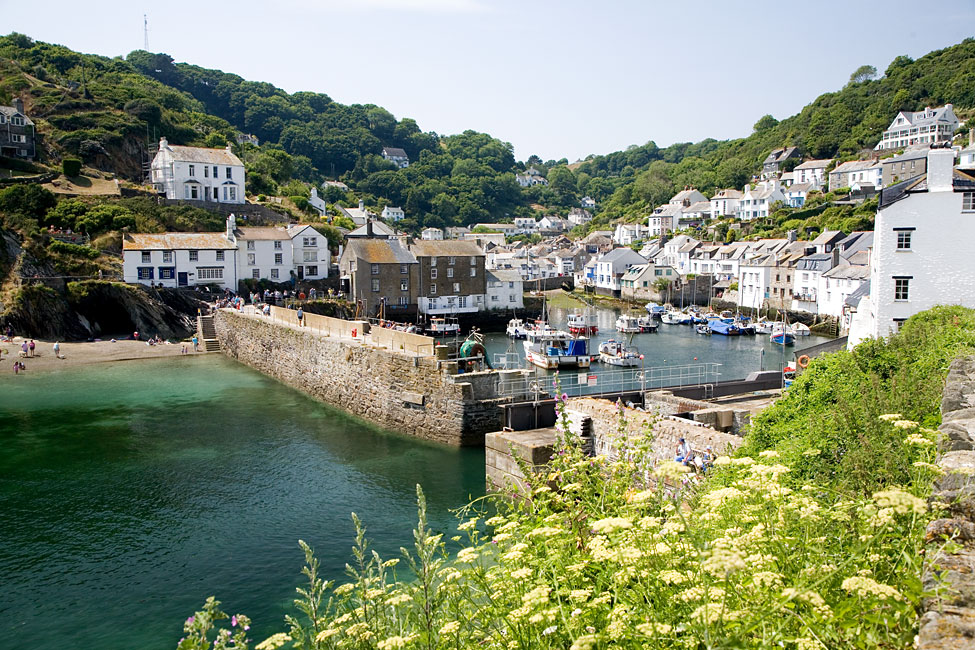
948,620
406,393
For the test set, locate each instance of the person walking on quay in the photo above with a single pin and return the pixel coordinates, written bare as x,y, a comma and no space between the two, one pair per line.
196,343
301,317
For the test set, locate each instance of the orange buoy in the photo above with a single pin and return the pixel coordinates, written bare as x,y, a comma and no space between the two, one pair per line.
803,361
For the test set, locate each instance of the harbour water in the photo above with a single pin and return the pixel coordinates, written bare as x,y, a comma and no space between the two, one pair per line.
675,345
130,492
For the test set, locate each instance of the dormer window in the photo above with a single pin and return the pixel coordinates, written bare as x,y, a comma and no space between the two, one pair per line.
17,120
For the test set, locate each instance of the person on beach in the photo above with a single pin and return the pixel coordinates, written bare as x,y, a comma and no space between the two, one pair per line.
31,348
23,349
196,343
301,317
57,350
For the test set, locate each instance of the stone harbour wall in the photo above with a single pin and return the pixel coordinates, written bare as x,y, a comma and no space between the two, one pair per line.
404,393
948,618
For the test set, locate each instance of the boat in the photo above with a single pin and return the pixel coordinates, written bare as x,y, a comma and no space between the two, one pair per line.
655,310
719,326
703,328
582,323
517,328
443,326
800,330
554,353
763,327
677,318
647,324
615,353
745,327
542,330
628,324
782,334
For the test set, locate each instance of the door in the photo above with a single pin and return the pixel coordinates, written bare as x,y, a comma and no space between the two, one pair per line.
301,273
182,279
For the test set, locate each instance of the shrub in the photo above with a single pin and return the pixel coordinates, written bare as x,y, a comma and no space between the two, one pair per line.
71,167
74,250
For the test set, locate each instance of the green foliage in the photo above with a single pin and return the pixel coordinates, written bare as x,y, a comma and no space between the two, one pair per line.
71,167
863,73
343,222
74,250
28,200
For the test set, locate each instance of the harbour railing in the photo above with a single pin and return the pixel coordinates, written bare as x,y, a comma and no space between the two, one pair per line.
585,382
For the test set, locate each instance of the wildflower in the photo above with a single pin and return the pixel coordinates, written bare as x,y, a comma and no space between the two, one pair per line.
542,490
544,531
393,642
341,590
450,628
901,502
579,595
572,487
522,574
744,460
930,467
769,453
671,577
495,521
599,600
811,452
372,594
722,460
233,621
390,563
575,612
906,424
699,593
653,629
398,599
720,496
326,634
273,641
672,470
767,580
640,497
809,644
549,630
450,575
611,524
536,596
866,588
811,598
723,562
508,527
470,524
360,631
918,440
587,642
467,555
707,613
500,537
890,417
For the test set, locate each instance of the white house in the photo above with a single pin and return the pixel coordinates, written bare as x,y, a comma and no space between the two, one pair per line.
525,225
610,268
359,215
396,156
755,281
279,254
922,253
795,194
588,203
686,197
530,178
505,290
432,234
391,213
966,157
553,224
724,203
861,172
756,202
180,259
663,219
811,171
198,174
932,125
694,214
579,216
317,202
310,253
838,284
629,233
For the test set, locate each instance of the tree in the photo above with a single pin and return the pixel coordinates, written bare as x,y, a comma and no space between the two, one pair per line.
765,123
863,73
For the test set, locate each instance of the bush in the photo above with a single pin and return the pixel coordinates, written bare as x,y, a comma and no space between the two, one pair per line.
71,167
74,250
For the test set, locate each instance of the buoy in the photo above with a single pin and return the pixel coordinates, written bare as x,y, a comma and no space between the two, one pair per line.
695,358
803,361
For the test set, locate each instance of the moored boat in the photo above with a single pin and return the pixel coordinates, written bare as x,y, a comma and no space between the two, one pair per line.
655,310
782,334
647,324
800,329
703,328
440,326
628,324
517,328
553,353
582,324
615,353
763,327
719,326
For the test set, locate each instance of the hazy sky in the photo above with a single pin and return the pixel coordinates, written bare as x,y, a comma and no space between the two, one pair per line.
558,78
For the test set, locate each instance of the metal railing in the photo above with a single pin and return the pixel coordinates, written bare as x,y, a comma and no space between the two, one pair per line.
587,383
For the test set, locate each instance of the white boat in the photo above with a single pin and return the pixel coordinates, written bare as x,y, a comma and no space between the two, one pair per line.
542,330
582,323
440,326
628,324
554,353
677,318
517,328
782,334
647,323
615,353
764,327
800,330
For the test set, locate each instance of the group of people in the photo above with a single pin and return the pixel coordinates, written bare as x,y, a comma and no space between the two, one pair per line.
399,327
699,461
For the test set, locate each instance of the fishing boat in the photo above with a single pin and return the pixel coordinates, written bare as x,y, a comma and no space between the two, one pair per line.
628,324
745,326
542,330
719,326
782,334
647,324
440,326
517,328
703,328
615,353
554,353
800,330
582,323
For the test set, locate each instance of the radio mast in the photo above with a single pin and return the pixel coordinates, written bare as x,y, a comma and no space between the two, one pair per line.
145,29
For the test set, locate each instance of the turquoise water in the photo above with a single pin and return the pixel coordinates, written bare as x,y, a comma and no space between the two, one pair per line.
131,492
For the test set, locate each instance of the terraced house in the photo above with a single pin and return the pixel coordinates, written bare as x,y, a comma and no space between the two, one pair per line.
381,275
16,131
452,278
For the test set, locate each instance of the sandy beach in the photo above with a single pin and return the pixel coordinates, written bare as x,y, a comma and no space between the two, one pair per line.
78,354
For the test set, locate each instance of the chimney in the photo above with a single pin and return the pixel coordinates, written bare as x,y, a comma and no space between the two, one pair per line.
368,227
971,136
941,163
791,236
163,142
836,257
231,226
18,104
362,204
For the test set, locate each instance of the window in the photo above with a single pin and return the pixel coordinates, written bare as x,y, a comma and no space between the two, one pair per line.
216,193
277,245
511,285
209,273
968,201
279,258
404,285
462,301
404,269
167,257
404,300
904,240
256,274
375,269
251,259
433,261
311,270
456,287
375,285
274,274
494,298
194,256
473,261
167,273
146,257
219,256
230,174
902,288
309,242
206,172
309,256
450,273
233,193
145,272
451,260
224,193
473,272
433,289
192,171
433,273
511,298
250,245
17,120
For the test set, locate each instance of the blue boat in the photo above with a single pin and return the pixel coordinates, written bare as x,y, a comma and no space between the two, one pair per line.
782,335
655,310
718,326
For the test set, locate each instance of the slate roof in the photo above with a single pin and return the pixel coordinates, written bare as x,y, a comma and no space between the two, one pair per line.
450,247
858,294
168,241
815,164
378,228
394,152
777,155
258,233
10,111
379,251
727,194
203,155
855,166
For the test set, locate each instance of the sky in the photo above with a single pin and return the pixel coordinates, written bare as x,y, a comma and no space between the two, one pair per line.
556,78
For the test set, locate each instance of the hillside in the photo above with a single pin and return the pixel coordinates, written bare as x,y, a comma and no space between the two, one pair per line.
107,110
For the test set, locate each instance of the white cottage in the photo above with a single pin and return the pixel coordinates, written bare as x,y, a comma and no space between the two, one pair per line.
198,174
180,259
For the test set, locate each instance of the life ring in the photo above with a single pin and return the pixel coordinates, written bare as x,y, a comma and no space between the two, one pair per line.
803,361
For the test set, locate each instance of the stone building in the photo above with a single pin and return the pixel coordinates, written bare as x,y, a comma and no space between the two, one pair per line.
380,272
452,277
16,131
